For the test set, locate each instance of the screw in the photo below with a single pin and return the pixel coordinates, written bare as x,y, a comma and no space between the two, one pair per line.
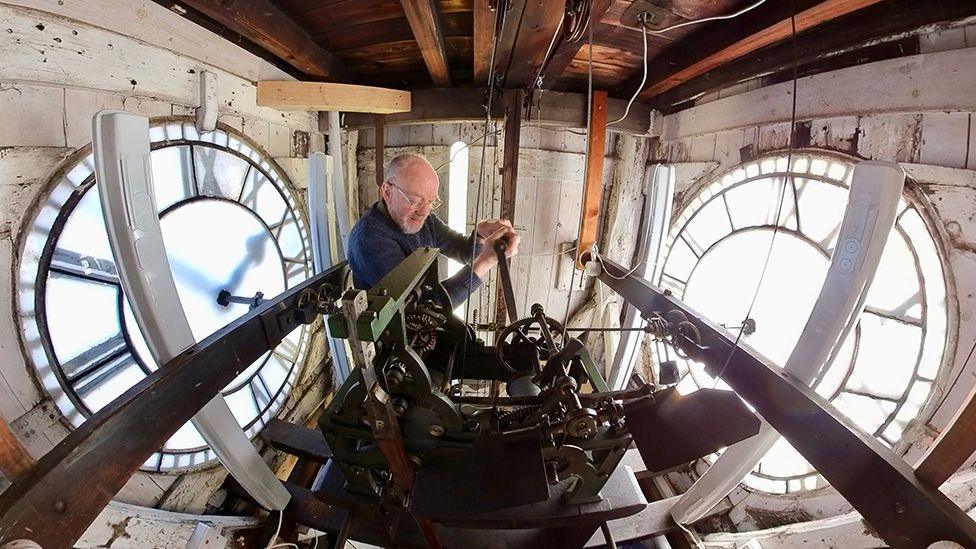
899,508
60,506
435,430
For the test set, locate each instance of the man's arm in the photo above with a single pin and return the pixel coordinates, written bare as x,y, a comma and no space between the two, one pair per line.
452,243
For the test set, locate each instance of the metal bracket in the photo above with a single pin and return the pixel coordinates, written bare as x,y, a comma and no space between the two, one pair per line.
207,111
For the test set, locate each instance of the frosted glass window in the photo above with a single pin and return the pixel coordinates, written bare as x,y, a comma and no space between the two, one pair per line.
219,236
882,375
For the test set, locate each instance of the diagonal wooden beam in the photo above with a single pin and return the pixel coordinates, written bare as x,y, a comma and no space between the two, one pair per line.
566,51
425,22
484,30
781,30
835,44
261,22
538,28
952,448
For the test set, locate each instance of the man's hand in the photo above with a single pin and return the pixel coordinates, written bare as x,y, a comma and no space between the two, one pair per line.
488,227
487,258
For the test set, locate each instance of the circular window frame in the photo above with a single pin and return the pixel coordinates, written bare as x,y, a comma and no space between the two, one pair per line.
913,198
42,227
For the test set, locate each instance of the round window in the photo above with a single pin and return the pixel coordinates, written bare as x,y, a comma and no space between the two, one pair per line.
230,226
716,251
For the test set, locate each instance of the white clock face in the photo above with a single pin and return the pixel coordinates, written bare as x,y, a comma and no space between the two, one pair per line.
716,252
229,224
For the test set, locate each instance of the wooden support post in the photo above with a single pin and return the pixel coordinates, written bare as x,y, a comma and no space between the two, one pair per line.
593,186
15,462
379,139
513,132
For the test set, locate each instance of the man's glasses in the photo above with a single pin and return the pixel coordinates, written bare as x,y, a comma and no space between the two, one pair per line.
416,202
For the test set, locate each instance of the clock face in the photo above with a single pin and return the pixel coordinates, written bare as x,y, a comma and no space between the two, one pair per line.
716,258
229,224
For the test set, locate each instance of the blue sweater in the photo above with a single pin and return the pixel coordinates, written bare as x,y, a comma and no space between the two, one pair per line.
377,245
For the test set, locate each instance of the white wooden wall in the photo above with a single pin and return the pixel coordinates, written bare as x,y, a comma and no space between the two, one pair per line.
62,61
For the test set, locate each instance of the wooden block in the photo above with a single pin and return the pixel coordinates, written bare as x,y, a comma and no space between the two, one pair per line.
944,139
79,108
323,96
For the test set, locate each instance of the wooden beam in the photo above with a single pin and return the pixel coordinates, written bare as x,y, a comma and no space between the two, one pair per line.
505,41
558,110
321,96
380,139
593,185
783,29
16,463
952,448
484,31
263,23
74,481
540,25
425,22
864,28
565,51
513,100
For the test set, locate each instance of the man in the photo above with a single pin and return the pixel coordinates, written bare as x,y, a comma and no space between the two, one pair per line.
401,221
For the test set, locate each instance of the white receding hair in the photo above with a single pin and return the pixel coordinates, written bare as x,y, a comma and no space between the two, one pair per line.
399,163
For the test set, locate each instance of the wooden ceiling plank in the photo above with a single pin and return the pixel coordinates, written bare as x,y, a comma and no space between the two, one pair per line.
511,18
566,51
322,96
593,184
263,23
425,22
811,17
541,21
484,31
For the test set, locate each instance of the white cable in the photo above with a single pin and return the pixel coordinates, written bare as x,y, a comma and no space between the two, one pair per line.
639,86
694,537
599,258
704,20
274,538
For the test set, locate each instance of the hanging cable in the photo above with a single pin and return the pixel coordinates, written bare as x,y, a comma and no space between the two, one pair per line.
274,538
703,20
499,22
589,122
787,179
639,86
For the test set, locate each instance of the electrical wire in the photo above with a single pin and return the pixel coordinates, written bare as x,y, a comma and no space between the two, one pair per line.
274,538
457,152
703,20
547,254
691,534
787,179
639,86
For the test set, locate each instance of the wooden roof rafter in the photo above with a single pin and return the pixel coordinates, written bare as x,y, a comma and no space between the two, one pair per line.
264,24
425,23
565,51
823,12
